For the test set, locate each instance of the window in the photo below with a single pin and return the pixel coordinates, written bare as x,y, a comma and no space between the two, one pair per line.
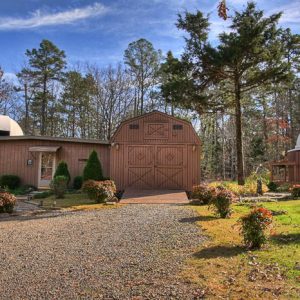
177,127
133,126
4,133
82,159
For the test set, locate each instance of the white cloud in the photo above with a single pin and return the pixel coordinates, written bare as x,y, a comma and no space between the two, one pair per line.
291,12
39,19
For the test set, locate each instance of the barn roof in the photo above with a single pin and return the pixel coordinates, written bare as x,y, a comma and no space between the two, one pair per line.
159,113
55,139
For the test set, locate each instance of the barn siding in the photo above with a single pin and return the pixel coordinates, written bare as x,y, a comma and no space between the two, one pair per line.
15,153
126,139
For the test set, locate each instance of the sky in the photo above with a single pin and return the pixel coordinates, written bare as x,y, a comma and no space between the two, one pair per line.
98,31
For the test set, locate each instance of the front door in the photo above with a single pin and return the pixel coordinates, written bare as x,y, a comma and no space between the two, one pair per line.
46,168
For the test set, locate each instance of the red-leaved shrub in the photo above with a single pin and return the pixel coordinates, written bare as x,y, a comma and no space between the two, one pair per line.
221,201
254,225
202,194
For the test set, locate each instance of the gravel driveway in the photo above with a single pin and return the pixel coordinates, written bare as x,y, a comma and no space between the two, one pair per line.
132,252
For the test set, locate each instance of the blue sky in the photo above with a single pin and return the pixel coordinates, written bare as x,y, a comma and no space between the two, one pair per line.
98,31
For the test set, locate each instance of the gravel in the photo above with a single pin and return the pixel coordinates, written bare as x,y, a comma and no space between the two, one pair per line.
132,252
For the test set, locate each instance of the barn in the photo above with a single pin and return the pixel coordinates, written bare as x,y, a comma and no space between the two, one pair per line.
152,151
155,151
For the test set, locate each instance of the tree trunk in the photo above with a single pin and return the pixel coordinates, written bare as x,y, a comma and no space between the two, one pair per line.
26,108
43,108
238,134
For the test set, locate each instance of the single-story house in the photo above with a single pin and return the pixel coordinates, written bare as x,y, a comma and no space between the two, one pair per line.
151,151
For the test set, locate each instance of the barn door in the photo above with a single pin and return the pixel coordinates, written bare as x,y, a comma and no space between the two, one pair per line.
140,168
170,167
156,167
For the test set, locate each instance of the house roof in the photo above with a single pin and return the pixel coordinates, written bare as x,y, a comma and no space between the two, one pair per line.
56,139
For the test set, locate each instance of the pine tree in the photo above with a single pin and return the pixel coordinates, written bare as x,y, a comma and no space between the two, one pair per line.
93,168
248,56
45,65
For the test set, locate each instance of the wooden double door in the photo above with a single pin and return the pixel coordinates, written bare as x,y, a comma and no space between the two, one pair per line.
156,166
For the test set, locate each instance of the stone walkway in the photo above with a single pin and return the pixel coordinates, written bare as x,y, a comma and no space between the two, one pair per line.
154,197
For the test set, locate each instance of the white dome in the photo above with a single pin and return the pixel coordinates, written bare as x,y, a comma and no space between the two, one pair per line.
9,125
297,147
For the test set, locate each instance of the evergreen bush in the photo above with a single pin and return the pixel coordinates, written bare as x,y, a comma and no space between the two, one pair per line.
59,186
93,168
62,170
272,186
77,183
10,181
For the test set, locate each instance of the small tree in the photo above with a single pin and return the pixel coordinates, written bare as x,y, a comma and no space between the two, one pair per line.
93,168
62,170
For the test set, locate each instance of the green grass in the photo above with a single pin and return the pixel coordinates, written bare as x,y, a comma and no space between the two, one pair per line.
70,200
222,265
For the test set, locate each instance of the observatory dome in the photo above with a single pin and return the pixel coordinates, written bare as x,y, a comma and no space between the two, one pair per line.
9,127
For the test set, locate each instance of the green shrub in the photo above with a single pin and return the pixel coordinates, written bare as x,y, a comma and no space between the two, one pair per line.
7,202
43,195
295,191
254,227
285,187
221,202
93,168
202,194
10,181
59,186
77,183
272,186
62,170
99,191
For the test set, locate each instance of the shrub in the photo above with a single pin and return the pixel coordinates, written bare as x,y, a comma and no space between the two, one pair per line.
93,168
221,202
7,202
62,170
295,191
203,193
10,181
249,189
59,186
43,195
77,183
254,226
100,191
272,186
285,187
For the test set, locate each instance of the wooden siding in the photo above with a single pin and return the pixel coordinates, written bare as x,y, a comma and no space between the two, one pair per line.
294,171
155,151
15,153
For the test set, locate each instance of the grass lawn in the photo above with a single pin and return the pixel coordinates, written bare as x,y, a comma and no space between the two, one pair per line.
226,270
72,201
